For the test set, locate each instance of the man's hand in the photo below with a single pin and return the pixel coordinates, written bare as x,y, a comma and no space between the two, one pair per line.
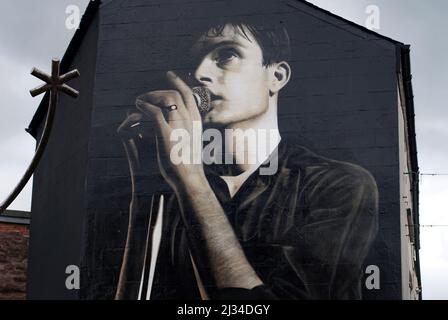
213,242
175,110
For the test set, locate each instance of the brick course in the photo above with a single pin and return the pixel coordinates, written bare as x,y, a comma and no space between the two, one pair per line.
13,261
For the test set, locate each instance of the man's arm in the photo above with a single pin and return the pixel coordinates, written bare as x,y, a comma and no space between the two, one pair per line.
212,239
210,233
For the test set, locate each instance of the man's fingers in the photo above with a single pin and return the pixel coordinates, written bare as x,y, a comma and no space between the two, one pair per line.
168,100
152,111
133,120
182,88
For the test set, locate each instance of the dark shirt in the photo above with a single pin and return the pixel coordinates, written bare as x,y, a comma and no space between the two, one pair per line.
305,230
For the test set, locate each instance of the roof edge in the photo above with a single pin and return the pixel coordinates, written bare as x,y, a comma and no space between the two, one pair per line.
349,22
16,214
412,138
15,221
15,217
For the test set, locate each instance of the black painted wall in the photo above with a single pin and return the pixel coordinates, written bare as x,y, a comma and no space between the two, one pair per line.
341,103
58,204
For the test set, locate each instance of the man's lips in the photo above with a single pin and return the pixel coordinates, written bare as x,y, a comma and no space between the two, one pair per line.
215,100
214,97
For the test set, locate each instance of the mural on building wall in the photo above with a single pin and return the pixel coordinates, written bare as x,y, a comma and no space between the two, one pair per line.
235,206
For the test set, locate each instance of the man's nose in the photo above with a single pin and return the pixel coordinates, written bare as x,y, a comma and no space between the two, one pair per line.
204,73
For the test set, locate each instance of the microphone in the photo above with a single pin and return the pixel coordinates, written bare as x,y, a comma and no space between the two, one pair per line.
203,98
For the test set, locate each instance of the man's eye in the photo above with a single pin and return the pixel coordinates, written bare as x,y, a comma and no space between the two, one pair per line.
226,55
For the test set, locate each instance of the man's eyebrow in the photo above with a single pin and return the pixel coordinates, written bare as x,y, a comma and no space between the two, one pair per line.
207,47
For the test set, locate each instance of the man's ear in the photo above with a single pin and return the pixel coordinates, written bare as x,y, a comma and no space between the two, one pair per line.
281,73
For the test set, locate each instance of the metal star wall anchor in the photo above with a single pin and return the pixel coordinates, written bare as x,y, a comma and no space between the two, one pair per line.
54,83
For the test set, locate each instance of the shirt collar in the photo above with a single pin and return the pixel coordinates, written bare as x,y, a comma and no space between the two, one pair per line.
256,183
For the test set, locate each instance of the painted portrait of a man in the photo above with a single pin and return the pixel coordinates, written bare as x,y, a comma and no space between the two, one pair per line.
226,227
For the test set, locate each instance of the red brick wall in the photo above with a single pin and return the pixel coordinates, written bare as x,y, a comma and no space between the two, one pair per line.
13,260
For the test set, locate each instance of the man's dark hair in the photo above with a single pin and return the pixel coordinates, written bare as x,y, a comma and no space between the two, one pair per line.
273,39
253,19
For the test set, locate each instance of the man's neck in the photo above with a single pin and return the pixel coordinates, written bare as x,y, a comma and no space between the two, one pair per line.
250,155
268,137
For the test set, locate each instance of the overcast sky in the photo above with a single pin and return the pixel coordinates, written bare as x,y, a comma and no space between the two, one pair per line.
32,32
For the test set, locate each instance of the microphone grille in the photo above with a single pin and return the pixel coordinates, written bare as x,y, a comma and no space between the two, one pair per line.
203,98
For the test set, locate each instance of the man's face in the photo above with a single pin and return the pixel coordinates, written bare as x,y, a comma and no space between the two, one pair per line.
231,66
